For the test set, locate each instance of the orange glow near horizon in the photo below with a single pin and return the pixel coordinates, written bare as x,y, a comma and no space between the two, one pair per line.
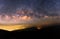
12,27
46,21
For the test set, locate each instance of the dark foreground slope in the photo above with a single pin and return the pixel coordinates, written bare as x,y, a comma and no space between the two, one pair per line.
51,32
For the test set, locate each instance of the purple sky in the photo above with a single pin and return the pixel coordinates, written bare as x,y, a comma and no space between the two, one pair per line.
48,7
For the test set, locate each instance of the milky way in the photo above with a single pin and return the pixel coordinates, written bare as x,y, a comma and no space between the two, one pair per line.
28,9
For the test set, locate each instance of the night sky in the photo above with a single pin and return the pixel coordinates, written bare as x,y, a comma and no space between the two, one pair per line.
28,12
47,7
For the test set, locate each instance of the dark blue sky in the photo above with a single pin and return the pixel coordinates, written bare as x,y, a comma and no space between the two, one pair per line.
48,7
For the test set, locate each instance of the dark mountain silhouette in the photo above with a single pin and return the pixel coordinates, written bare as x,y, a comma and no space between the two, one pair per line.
53,31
